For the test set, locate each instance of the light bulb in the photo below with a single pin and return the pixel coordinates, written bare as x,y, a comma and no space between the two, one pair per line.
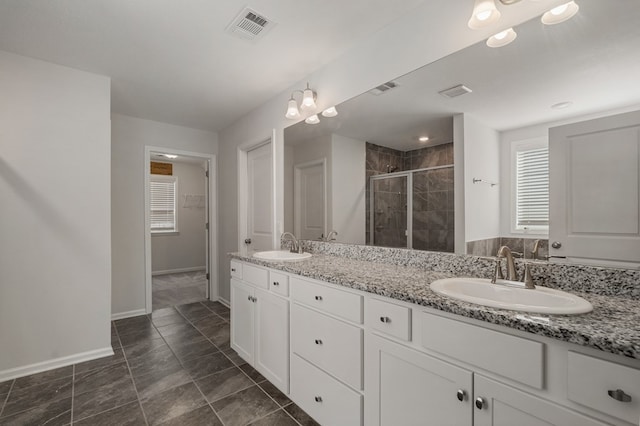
560,13
330,112
423,138
312,119
502,38
292,110
484,14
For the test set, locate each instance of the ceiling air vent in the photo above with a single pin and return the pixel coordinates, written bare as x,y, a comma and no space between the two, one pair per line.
383,88
250,25
455,91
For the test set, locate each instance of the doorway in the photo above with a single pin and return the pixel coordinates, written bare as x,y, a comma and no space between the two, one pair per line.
180,239
310,200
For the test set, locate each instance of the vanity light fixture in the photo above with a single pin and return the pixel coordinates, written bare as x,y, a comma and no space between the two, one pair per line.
484,14
560,13
502,38
423,138
308,103
312,119
330,112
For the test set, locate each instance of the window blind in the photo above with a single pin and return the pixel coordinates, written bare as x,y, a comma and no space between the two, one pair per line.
163,205
532,187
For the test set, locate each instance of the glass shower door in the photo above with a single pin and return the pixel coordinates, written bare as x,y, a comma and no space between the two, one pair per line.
388,217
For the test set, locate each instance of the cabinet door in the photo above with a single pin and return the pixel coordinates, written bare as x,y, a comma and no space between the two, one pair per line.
507,406
272,338
594,191
242,319
406,387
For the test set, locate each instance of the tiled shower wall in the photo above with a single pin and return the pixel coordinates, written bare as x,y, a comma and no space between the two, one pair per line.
432,191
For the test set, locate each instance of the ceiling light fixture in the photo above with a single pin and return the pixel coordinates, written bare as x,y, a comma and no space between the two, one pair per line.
502,38
308,103
560,13
562,105
330,112
171,156
423,138
484,14
312,119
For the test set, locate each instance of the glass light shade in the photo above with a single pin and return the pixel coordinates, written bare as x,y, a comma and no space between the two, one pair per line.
502,38
292,110
312,119
484,14
330,112
560,13
307,100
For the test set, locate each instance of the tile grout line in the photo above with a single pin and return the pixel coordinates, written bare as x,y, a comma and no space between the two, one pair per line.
6,398
124,355
73,387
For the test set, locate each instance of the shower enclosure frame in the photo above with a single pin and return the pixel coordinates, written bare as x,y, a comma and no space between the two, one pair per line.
409,175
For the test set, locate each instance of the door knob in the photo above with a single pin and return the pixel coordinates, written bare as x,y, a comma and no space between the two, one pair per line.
247,241
556,244
480,403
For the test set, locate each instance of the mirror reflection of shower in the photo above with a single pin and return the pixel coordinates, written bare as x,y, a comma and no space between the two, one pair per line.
411,207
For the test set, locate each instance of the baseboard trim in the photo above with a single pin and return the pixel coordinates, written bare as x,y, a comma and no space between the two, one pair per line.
39,367
179,270
225,302
128,314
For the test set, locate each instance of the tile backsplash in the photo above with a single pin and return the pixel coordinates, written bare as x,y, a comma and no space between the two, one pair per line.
490,246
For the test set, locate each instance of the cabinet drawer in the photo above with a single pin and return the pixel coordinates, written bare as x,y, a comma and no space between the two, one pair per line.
236,269
389,318
256,276
340,303
512,357
279,283
332,345
325,399
590,380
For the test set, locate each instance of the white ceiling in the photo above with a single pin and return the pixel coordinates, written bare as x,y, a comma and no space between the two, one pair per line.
171,60
593,60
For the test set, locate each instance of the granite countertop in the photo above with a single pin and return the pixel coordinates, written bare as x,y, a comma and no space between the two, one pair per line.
613,325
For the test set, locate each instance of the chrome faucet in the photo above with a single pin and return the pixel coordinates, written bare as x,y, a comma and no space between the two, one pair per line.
505,251
331,236
295,244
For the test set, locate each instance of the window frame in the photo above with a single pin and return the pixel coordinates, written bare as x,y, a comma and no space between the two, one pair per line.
174,180
516,147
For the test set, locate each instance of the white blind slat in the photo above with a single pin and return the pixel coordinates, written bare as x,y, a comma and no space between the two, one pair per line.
532,187
163,205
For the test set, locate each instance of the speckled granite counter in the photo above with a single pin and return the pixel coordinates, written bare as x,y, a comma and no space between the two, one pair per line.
613,326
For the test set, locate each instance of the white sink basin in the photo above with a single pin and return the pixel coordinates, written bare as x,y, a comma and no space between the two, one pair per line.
542,300
281,256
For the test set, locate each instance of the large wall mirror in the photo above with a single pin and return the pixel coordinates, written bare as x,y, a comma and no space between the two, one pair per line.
371,174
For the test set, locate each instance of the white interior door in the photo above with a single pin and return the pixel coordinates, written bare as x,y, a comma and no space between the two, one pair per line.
259,198
594,177
310,200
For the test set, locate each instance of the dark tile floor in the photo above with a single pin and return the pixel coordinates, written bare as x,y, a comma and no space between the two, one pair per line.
178,289
173,367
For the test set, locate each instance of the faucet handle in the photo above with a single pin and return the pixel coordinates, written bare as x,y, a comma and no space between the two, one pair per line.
527,279
498,271
517,254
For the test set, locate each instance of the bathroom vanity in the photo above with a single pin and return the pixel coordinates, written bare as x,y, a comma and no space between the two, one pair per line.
357,342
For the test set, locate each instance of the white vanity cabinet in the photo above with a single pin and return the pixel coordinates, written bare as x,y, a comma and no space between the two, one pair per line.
260,324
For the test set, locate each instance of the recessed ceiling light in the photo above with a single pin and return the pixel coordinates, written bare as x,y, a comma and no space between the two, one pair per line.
502,38
560,13
562,105
171,156
423,138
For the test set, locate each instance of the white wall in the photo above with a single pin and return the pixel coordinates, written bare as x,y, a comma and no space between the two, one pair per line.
481,161
348,181
184,250
403,46
55,228
129,137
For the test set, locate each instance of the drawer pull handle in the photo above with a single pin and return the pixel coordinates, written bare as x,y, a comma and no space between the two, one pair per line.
461,395
619,395
385,319
233,269
318,398
276,283
318,342
249,299
480,403
318,298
